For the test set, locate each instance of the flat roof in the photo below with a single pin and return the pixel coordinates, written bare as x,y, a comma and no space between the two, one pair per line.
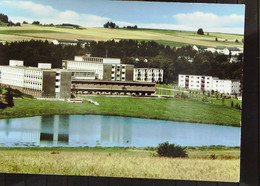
36,68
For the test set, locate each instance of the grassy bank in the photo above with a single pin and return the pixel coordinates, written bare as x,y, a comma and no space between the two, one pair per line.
176,109
122,162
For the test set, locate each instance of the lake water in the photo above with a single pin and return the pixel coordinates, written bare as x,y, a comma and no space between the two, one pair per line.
98,130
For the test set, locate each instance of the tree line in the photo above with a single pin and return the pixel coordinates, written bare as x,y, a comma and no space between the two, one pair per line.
113,25
4,19
34,52
173,61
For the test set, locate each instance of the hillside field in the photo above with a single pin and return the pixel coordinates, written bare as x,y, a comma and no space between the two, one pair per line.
166,37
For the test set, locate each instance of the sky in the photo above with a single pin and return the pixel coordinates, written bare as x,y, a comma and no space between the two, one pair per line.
159,15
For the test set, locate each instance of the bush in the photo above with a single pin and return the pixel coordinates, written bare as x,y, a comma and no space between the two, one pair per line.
171,150
237,106
183,96
200,31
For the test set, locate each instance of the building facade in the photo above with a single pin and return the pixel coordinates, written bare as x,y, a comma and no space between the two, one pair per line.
96,67
77,76
88,58
39,82
209,83
113,87
148,75
118,72
94,64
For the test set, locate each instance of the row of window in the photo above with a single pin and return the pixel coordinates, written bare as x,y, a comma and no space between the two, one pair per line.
194,77
148,70
91,59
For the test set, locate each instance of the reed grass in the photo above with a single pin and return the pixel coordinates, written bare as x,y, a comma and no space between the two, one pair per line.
118,163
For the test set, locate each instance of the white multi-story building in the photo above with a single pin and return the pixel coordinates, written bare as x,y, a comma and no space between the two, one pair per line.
40,82
226,86
209,83
95,64
148,75
96,67
11,74
195,82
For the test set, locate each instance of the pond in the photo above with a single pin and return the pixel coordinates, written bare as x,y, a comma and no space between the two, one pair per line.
107,131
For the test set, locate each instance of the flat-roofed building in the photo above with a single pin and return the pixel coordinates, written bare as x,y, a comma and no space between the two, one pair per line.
195,82
226,86
88,58
118,72
39,82
103,67
148,75
113,87
96,67
76,76
209,83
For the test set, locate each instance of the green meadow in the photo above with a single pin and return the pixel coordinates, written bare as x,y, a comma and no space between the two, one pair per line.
177,109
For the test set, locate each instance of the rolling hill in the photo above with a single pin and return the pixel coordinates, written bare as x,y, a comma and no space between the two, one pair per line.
166,37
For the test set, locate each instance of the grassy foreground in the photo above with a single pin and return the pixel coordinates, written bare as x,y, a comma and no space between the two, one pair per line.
122,162
176,109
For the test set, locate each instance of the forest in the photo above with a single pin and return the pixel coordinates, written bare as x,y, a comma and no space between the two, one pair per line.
172,60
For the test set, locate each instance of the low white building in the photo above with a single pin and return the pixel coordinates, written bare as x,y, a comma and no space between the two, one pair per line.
148,75
222,50
209,83
65,42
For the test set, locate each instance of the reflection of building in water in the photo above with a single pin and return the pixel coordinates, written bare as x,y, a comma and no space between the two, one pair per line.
115,132
7,127
54,130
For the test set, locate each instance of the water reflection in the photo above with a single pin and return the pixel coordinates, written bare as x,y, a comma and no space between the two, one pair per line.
7,127
116,133
96,130
54,130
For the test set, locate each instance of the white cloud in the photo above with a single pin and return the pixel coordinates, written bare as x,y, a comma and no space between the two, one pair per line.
210,21
193,21
47,14
124,23
33,8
